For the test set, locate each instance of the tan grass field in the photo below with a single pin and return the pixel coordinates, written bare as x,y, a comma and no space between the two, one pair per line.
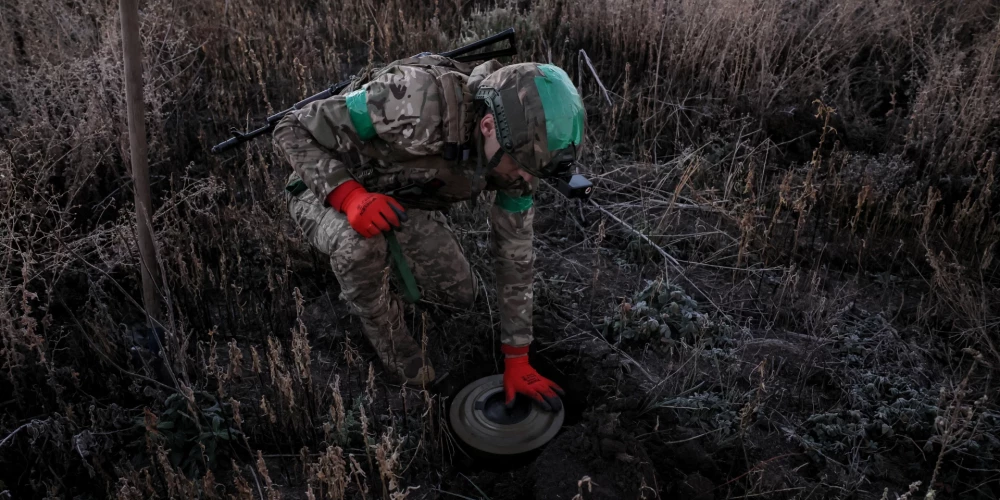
810,186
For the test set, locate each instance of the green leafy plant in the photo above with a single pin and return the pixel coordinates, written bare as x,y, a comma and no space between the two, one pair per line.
194,433
662,315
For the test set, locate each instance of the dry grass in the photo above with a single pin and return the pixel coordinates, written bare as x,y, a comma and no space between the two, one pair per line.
855,137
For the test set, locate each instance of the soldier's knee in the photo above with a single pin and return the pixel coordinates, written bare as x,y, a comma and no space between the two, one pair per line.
359,264
358,258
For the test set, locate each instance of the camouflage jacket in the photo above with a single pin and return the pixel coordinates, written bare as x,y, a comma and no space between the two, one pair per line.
393,136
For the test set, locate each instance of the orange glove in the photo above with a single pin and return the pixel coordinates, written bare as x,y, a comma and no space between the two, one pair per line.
368,213
520,378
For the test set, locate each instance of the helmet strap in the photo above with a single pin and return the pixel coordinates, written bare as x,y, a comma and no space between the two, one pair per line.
481,169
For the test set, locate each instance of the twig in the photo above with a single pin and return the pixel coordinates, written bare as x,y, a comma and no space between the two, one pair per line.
682,440
257,481
769,493
487,497
583,54
669,258
11,435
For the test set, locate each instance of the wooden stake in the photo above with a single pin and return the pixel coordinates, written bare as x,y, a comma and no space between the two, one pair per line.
132,49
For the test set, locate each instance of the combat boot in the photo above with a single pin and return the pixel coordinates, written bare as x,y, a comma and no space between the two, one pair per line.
398,351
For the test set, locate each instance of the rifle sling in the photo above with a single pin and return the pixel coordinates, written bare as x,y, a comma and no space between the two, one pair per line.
410,292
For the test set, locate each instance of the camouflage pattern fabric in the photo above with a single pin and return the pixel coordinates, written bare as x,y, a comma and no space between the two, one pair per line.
361,264
406,106
514,259
396,148
362,269
542,112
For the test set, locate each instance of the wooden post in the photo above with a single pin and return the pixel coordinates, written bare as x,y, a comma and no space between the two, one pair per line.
132,49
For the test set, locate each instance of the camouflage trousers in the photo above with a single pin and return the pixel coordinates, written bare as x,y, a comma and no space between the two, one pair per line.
362,264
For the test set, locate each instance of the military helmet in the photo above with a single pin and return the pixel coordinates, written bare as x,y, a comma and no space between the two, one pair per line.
539,117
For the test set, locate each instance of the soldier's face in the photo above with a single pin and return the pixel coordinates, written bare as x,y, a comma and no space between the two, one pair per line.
507,174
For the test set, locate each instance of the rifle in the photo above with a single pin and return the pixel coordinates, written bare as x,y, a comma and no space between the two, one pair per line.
461,54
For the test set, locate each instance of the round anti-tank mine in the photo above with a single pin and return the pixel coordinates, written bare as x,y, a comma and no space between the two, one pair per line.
481,420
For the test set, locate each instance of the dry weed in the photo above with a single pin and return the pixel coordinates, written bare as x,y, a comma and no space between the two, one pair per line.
702,108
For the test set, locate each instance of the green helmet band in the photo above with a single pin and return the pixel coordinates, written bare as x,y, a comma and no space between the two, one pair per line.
562,106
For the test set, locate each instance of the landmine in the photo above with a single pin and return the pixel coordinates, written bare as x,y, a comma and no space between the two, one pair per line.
481,420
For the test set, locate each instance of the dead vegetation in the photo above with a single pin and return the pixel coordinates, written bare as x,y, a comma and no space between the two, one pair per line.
810,183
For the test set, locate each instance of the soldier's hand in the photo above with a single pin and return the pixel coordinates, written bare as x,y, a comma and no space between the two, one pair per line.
368,213
519,377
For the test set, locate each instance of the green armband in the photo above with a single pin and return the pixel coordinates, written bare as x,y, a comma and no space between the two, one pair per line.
357,106
514,205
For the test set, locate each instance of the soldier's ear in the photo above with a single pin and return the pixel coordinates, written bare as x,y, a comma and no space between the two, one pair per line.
487,126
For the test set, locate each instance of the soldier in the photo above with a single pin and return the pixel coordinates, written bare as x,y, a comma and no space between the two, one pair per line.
423,133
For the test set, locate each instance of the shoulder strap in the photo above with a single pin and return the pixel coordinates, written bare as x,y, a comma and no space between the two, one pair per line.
456,107
456,110
452,78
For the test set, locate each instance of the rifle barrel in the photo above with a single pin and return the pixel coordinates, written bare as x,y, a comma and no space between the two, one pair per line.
485,42
239,137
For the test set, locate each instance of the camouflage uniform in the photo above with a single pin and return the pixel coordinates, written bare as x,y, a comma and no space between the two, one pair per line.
391,136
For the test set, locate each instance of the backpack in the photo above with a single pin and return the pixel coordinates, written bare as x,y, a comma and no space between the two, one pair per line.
458,83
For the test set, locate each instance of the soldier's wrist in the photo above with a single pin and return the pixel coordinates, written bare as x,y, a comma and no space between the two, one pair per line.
511,351
339,195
